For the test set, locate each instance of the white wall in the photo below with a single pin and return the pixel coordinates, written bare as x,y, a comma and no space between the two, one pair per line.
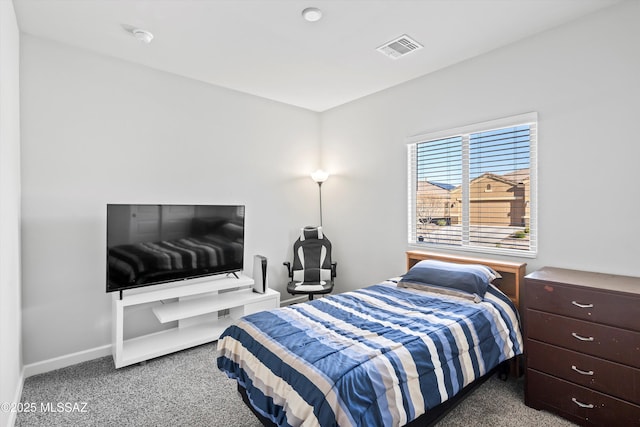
99,130
582,79
10,317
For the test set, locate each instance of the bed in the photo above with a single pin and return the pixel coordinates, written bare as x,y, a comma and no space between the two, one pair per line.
390,354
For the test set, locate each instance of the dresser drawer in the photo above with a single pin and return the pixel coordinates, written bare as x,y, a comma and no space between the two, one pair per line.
577,403
614,309
599,374
614,344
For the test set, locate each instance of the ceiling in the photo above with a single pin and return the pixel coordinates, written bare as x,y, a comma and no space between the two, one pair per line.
266,48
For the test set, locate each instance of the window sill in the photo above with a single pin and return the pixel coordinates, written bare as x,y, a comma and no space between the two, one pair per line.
475,249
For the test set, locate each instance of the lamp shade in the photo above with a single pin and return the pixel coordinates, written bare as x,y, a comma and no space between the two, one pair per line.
319,176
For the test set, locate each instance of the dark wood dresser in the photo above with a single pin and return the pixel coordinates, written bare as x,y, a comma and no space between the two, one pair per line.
582,346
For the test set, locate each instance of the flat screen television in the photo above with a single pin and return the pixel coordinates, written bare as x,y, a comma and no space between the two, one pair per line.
153,244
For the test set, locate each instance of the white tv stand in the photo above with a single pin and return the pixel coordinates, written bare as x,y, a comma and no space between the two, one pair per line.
196,311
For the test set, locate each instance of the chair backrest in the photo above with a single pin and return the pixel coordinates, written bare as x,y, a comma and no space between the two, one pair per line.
312,256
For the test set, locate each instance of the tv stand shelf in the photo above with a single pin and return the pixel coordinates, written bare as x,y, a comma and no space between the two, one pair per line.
194,307
196,312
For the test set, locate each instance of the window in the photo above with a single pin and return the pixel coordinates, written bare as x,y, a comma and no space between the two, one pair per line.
474,187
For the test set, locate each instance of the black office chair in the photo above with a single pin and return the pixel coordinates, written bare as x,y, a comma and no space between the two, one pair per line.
312,272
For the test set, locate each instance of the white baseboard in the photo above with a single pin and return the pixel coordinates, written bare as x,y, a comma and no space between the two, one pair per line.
93,353
66,360
293,300
11,421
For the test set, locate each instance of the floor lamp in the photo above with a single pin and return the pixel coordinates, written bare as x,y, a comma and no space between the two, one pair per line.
319,177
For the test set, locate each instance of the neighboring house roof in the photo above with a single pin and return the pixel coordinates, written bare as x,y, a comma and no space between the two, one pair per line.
443,185
434,187
519,175
493,176
486,176
511,178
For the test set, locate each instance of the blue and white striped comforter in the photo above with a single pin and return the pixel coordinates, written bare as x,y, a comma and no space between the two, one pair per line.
378,356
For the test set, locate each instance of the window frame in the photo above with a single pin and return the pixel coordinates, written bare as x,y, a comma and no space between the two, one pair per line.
530,119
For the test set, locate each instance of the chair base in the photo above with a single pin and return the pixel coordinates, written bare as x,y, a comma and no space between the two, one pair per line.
326,288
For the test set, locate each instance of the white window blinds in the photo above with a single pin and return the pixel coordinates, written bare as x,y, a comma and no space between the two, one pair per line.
475,187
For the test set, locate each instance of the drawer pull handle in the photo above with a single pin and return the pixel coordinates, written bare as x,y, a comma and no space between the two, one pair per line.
577,304
580,404
580,371
578,337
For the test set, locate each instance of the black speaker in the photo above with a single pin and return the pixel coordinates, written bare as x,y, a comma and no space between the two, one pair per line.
259,274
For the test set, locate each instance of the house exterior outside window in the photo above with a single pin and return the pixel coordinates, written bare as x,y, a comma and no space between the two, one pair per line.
474,187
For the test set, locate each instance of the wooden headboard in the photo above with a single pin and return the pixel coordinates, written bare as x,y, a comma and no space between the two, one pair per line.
512,272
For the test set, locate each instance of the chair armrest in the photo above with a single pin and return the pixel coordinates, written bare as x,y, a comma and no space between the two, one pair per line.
334,267
288,265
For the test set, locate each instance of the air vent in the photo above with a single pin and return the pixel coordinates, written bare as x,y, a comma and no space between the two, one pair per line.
401,46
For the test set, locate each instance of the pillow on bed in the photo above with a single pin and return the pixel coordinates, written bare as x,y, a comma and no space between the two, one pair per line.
463,280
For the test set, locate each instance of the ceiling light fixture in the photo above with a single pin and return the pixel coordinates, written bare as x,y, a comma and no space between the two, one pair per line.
142,35
312,14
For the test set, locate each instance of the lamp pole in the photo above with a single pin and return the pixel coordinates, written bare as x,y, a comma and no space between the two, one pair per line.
319,177
320,193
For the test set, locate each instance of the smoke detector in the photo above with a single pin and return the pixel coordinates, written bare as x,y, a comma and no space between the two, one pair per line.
312,14
142,35
400,46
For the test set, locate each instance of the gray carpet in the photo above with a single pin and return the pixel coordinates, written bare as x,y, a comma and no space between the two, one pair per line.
186,389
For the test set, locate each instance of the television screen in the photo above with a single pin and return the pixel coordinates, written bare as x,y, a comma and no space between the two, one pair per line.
151,244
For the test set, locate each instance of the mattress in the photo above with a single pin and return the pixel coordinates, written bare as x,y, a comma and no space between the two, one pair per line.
378,356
